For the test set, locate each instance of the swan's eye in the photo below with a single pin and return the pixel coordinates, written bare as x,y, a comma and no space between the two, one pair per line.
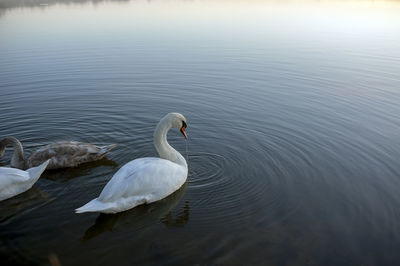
184,124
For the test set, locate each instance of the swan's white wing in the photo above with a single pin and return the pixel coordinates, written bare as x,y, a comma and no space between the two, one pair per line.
150,178
12,182
10,176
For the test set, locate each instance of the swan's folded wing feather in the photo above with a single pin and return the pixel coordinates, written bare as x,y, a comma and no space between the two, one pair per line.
142,177
13,182
11,176
65,154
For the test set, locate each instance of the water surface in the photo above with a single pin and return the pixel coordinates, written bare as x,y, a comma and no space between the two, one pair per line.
293,123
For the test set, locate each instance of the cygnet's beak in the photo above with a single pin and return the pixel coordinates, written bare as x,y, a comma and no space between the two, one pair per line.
183,129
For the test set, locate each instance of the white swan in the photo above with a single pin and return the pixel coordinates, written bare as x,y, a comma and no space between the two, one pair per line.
145,180
61,154
15,181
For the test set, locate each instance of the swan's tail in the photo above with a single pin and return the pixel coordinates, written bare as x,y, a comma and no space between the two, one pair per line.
35,172
92,206
105,149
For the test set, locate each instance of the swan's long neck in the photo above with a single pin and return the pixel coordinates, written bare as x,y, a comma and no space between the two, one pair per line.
18,159
163,148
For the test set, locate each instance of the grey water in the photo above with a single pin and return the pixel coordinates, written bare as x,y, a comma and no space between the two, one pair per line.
293,123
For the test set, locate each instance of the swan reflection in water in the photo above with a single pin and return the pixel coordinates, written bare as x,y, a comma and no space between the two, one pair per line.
21,204
73,172
143,216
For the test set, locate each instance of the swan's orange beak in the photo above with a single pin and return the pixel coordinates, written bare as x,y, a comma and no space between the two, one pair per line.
183,129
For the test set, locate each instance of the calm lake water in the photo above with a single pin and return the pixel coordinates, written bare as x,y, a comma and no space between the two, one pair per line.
293,122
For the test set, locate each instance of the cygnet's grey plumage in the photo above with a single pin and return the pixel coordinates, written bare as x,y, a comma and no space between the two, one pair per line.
61,154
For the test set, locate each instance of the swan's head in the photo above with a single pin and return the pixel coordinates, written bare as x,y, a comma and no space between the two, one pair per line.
177,121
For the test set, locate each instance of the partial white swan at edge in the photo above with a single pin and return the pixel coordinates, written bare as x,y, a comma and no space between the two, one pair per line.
15,181
148,179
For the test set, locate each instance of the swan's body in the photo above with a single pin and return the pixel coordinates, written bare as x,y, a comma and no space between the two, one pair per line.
145,180
15,181
61,154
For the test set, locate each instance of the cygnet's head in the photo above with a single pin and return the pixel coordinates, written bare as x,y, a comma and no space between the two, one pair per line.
177,121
